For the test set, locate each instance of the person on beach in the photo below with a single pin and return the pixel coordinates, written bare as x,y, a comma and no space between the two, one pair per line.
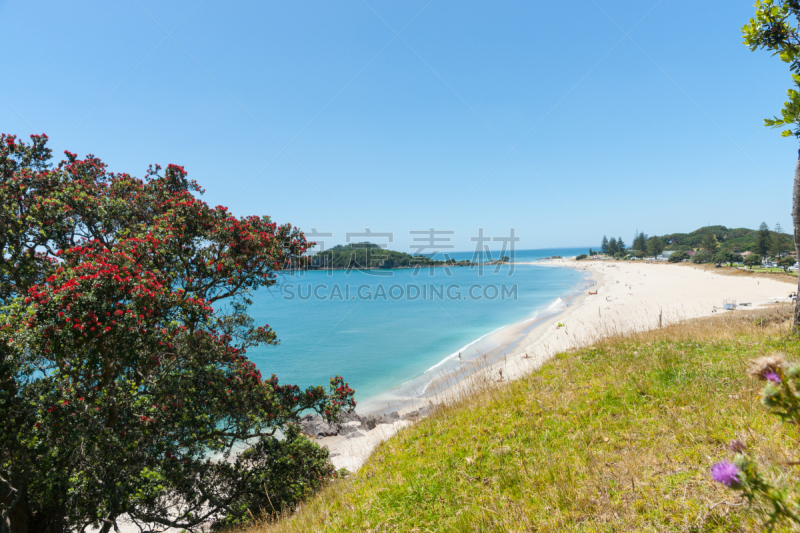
501,374
459,355
526,356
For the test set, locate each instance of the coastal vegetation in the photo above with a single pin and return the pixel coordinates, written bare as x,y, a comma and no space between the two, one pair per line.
618,436
719,238
613,246
716,244
125,388
677,257
367,255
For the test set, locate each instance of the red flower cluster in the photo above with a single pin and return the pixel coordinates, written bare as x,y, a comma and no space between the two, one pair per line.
130,362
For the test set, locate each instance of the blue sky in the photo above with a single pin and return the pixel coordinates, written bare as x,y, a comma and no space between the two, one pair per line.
564,121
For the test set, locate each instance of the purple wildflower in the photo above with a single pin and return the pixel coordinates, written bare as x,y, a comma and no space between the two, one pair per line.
726,473
773,377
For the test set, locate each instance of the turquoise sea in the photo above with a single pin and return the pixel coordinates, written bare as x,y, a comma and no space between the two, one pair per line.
382,329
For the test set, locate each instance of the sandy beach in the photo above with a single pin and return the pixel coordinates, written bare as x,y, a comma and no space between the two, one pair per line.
630,296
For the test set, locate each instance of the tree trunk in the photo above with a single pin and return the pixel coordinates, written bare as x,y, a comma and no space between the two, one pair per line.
796,222
22,520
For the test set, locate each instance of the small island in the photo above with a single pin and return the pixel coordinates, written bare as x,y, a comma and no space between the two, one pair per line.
371,256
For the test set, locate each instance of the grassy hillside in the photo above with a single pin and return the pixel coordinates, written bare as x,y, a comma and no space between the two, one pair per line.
618,437
729,239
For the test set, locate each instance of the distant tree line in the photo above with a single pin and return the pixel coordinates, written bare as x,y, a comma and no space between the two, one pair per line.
763,241
716,244
613,247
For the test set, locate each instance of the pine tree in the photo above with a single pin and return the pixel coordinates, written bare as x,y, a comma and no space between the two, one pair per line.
640,242
762,239
612,246
655,246
604,245
621,244
777,241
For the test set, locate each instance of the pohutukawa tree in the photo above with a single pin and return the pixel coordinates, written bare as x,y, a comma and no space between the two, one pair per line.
122,390
776,27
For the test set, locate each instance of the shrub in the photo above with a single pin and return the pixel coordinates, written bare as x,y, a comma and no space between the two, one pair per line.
274,475
786,262
677,257
581,257
752,260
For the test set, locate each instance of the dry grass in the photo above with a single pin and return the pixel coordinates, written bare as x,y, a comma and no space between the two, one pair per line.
614,437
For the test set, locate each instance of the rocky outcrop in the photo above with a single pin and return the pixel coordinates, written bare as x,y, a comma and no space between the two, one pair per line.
349,427
394,416
353,424
316,426
422,412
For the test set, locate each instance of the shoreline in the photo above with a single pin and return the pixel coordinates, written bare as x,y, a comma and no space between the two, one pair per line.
350,453
630,297
479,353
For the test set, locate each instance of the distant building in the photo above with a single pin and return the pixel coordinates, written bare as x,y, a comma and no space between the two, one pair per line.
690,253
745,254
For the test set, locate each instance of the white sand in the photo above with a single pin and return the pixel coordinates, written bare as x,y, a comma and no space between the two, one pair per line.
353,452
630,297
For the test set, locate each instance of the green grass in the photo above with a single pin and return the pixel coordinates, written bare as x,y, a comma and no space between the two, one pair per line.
777,270
617,437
